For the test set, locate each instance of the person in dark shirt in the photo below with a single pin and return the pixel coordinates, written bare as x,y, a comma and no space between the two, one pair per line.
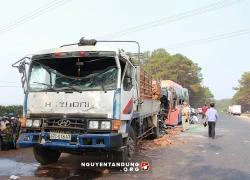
7,136
15,130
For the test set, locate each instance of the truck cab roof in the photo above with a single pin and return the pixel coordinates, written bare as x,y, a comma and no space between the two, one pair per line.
78,48
90,45
71,50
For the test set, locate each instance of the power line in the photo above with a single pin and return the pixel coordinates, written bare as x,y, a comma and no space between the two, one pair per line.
34,14
9,82
210,39
174,18
10,86
28,14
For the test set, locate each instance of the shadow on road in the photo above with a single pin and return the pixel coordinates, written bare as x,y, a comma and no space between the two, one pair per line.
69,167
57,172
218,136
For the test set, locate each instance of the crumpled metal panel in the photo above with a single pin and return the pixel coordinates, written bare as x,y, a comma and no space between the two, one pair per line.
89,102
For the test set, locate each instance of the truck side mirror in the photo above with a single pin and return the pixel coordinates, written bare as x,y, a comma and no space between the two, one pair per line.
21,68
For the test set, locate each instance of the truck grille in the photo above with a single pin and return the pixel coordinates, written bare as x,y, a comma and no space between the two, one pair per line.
69,123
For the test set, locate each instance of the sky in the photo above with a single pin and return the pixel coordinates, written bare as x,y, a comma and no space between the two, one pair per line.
222,61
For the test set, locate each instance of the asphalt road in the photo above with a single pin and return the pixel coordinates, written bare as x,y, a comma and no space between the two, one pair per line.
225,157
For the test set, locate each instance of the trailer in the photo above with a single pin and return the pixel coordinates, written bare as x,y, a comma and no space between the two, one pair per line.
85,97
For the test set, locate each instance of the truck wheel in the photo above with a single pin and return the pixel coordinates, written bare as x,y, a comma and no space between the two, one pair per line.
131,143
130,146
156,131
45,156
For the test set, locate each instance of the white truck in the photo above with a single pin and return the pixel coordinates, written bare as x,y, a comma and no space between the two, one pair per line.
85,97
235,109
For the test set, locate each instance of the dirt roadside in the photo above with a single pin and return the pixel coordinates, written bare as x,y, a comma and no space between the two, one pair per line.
171,138
21,162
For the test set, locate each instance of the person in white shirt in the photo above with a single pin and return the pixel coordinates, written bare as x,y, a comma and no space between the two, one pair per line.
212,117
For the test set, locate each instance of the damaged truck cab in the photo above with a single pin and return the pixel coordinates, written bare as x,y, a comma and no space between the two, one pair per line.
85,97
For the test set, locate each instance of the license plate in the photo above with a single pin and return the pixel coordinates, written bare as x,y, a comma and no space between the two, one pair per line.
62,136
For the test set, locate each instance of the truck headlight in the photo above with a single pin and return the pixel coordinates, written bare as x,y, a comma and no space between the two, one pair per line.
28,123
105,125
36,123
93,124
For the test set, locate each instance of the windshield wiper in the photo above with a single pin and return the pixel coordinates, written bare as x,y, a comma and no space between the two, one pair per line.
51,88
102,85
48,85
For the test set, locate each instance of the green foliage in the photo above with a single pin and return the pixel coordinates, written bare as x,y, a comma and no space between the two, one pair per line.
242,95
161,65
222,105
208,95
202,96
16,109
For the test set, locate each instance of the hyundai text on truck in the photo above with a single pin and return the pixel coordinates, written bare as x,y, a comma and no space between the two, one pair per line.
85,97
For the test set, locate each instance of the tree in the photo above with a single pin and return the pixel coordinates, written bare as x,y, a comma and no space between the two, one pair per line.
161,65
208,95
242,95
223,104
157,63
16,109
203,96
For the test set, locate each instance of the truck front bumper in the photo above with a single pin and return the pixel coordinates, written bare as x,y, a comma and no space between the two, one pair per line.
82,142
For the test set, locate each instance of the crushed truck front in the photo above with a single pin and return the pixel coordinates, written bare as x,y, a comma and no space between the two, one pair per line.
72,100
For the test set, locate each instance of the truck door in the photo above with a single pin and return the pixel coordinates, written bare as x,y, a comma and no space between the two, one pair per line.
128,93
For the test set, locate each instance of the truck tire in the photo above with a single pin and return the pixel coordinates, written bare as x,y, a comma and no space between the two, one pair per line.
130,147
45,156
156,132
131,143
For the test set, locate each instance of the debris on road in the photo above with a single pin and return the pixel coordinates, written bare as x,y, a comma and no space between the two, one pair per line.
168,139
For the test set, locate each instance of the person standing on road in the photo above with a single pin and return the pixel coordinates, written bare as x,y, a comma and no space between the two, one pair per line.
8,136
204,110
15,130
212,116
185,115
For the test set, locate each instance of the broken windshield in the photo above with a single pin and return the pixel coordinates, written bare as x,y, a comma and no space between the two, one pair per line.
73,74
